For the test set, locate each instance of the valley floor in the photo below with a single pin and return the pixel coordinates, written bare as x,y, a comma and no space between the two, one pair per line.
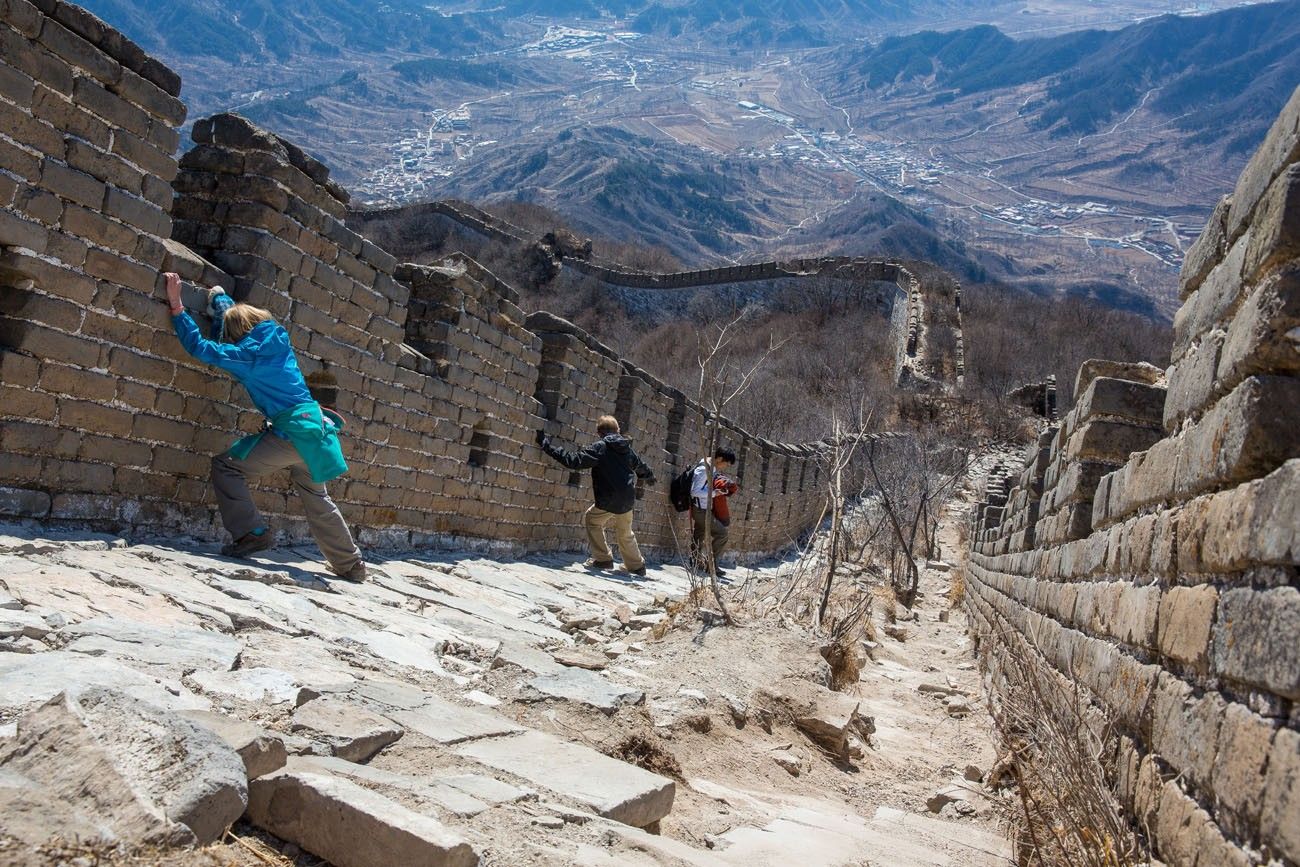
498,690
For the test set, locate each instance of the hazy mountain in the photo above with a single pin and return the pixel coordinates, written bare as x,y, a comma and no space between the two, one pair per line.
1223,75
268,29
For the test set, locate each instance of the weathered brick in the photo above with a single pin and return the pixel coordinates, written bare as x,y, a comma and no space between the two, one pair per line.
94,417
87,507
1186,621
22,16
120,270
1207,251
1280,149
111,107
1240,761
21,371
149,158
1279,822
1111,441
65,115
37,439
15,231
43,342
24,503
116,450
137,212
1193,380
1245,436
19,162
16,86
1275,231
18,402
1264,336
71,184
79,53
61,379
141,92
104,166
1212,303
156,429
1254,639
124,362
35,60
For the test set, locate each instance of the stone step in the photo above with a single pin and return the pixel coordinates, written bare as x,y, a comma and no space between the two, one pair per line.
349,825
463,795
611,788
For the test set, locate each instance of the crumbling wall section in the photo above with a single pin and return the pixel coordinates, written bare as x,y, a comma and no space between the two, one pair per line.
1148,549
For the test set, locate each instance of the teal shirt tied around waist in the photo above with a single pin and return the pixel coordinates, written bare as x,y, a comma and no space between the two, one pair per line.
264,363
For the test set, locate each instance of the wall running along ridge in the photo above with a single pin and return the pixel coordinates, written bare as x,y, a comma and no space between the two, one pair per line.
1148,548
105,420
906,302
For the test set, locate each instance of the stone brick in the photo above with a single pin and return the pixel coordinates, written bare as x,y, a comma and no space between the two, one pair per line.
1135,401
19,162
45,342
149,158
79,53
1193,380
1254,639
1135,617
21,371
1264,336
1245,436
103,166
156,429
35,60
1206,252
115,450
1185,728
69,117
1186,621
61,379
94,417
111,107
22,16
16,231
86,507
71,184
1212,303
1240,761
146,94
1257,523
1280,149
22,403
1275,231
120,270
137,212
24,503
1279,823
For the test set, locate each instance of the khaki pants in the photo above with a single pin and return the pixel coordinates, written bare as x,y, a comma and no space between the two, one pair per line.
717,533
596,520
229,478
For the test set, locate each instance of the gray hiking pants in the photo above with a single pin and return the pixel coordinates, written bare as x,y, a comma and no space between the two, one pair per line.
717,532
229,478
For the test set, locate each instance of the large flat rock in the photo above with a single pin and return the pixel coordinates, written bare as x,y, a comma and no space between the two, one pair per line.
584,687
175,649
349,825
29,679
260,750
463,795
258,684
613,789
449,723
127,768
351,731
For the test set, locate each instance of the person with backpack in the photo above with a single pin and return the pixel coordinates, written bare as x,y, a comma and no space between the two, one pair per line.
615,468
711,508
300,435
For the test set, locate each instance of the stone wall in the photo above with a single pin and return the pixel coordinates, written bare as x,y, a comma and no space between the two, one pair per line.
104,418
1147,548
905,303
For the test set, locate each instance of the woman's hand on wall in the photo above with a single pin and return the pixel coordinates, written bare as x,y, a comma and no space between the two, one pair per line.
174,292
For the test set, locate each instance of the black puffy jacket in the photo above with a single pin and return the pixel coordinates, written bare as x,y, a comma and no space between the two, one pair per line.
614,470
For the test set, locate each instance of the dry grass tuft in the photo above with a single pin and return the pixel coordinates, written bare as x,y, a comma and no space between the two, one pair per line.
645,752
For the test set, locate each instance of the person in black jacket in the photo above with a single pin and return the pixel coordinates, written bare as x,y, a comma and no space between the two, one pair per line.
614,471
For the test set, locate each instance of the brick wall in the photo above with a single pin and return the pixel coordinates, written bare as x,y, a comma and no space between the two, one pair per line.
103,417
1148,546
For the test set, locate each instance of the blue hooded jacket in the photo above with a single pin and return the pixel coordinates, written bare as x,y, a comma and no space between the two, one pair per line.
264,363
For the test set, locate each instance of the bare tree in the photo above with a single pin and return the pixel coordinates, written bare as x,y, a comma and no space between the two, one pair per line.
722,378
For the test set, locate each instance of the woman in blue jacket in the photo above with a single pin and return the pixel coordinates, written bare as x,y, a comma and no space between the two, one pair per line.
300,436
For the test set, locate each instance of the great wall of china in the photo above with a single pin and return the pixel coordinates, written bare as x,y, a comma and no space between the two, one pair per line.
1147,550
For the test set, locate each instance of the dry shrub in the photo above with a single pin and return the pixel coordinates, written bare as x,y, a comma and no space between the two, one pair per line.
1058,742
845,657
957,588
645,752
887,601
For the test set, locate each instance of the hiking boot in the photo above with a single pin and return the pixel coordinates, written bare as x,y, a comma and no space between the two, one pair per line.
638,572
598,564
356,574
248,544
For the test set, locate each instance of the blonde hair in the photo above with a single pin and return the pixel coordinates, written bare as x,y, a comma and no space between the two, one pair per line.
606,424
239,319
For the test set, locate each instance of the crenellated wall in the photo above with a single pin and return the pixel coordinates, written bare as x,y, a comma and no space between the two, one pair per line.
104,419
1148,547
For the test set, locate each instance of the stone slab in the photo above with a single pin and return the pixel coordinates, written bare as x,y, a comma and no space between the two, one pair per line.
584,687
172,648
613,789
349,825
27,679
261,751
449,723
259,685
351,731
